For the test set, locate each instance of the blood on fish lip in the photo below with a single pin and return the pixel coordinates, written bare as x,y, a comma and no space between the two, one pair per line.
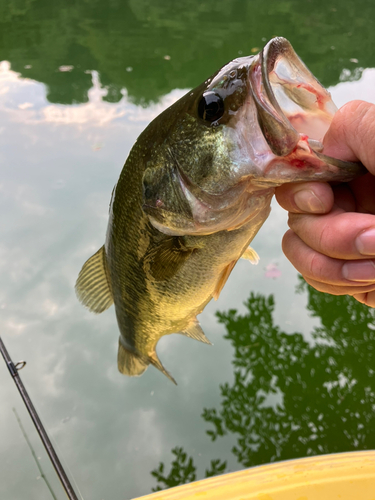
305,146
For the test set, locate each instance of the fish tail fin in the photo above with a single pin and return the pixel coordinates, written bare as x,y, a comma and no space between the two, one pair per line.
157,363
129,363
93,286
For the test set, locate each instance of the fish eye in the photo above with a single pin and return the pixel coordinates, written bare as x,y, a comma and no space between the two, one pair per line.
210,107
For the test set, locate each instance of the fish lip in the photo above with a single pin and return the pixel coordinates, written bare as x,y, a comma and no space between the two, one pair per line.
275,47
279,133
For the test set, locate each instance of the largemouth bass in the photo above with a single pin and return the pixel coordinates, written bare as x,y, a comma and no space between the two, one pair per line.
195,190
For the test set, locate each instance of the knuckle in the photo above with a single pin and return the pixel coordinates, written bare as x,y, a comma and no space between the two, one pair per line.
298,223
367,298
286,242
324,237
316,267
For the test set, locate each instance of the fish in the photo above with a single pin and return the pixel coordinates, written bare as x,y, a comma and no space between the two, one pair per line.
195,190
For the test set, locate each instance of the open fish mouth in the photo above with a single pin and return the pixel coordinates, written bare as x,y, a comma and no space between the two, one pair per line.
294,109
289,99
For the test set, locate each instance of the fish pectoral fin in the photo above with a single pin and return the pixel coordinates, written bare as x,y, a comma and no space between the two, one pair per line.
93,286
156,362
223,279
129,363
251,255
194,331
164,259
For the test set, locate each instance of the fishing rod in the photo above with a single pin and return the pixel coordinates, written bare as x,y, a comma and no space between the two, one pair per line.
13,369
42,475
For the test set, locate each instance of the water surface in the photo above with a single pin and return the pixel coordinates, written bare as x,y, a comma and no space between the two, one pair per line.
290,373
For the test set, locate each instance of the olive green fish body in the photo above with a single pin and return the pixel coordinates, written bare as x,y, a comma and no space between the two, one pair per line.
195,190
161,282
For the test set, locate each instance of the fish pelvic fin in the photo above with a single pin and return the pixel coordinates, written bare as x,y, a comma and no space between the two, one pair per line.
93,286
157,363
251,255
129,363
194,331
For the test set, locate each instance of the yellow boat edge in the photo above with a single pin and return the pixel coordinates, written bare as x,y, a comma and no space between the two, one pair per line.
341,476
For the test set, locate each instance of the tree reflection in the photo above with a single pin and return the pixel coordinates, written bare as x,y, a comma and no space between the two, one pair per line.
127,41
292,398
183,470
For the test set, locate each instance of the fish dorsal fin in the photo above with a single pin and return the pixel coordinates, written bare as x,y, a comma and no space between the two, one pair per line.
164,259
251,255
194,331
156,362
223,279
93,286
129,363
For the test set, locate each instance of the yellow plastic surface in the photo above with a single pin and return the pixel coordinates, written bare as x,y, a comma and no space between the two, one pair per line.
343,476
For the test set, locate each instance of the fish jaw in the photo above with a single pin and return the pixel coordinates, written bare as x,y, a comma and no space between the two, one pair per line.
303,163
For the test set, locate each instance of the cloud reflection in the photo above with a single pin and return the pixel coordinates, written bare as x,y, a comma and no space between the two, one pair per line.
16,91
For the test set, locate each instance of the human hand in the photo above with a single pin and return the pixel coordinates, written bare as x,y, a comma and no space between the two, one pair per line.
331,240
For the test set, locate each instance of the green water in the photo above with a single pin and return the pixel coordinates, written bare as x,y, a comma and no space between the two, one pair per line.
291,373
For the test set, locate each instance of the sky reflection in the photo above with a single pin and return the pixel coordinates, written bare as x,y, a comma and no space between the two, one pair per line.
59,164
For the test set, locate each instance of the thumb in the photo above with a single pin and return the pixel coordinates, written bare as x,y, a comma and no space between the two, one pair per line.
351,135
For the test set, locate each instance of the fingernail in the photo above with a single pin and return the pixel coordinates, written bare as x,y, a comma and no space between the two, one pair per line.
361,270
365,242
307,201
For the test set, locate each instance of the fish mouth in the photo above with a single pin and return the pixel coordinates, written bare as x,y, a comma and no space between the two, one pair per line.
294,110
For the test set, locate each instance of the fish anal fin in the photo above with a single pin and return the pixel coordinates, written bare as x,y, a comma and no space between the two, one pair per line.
194,331
129,363
93,285
223,279
251,255
164,259
157,363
